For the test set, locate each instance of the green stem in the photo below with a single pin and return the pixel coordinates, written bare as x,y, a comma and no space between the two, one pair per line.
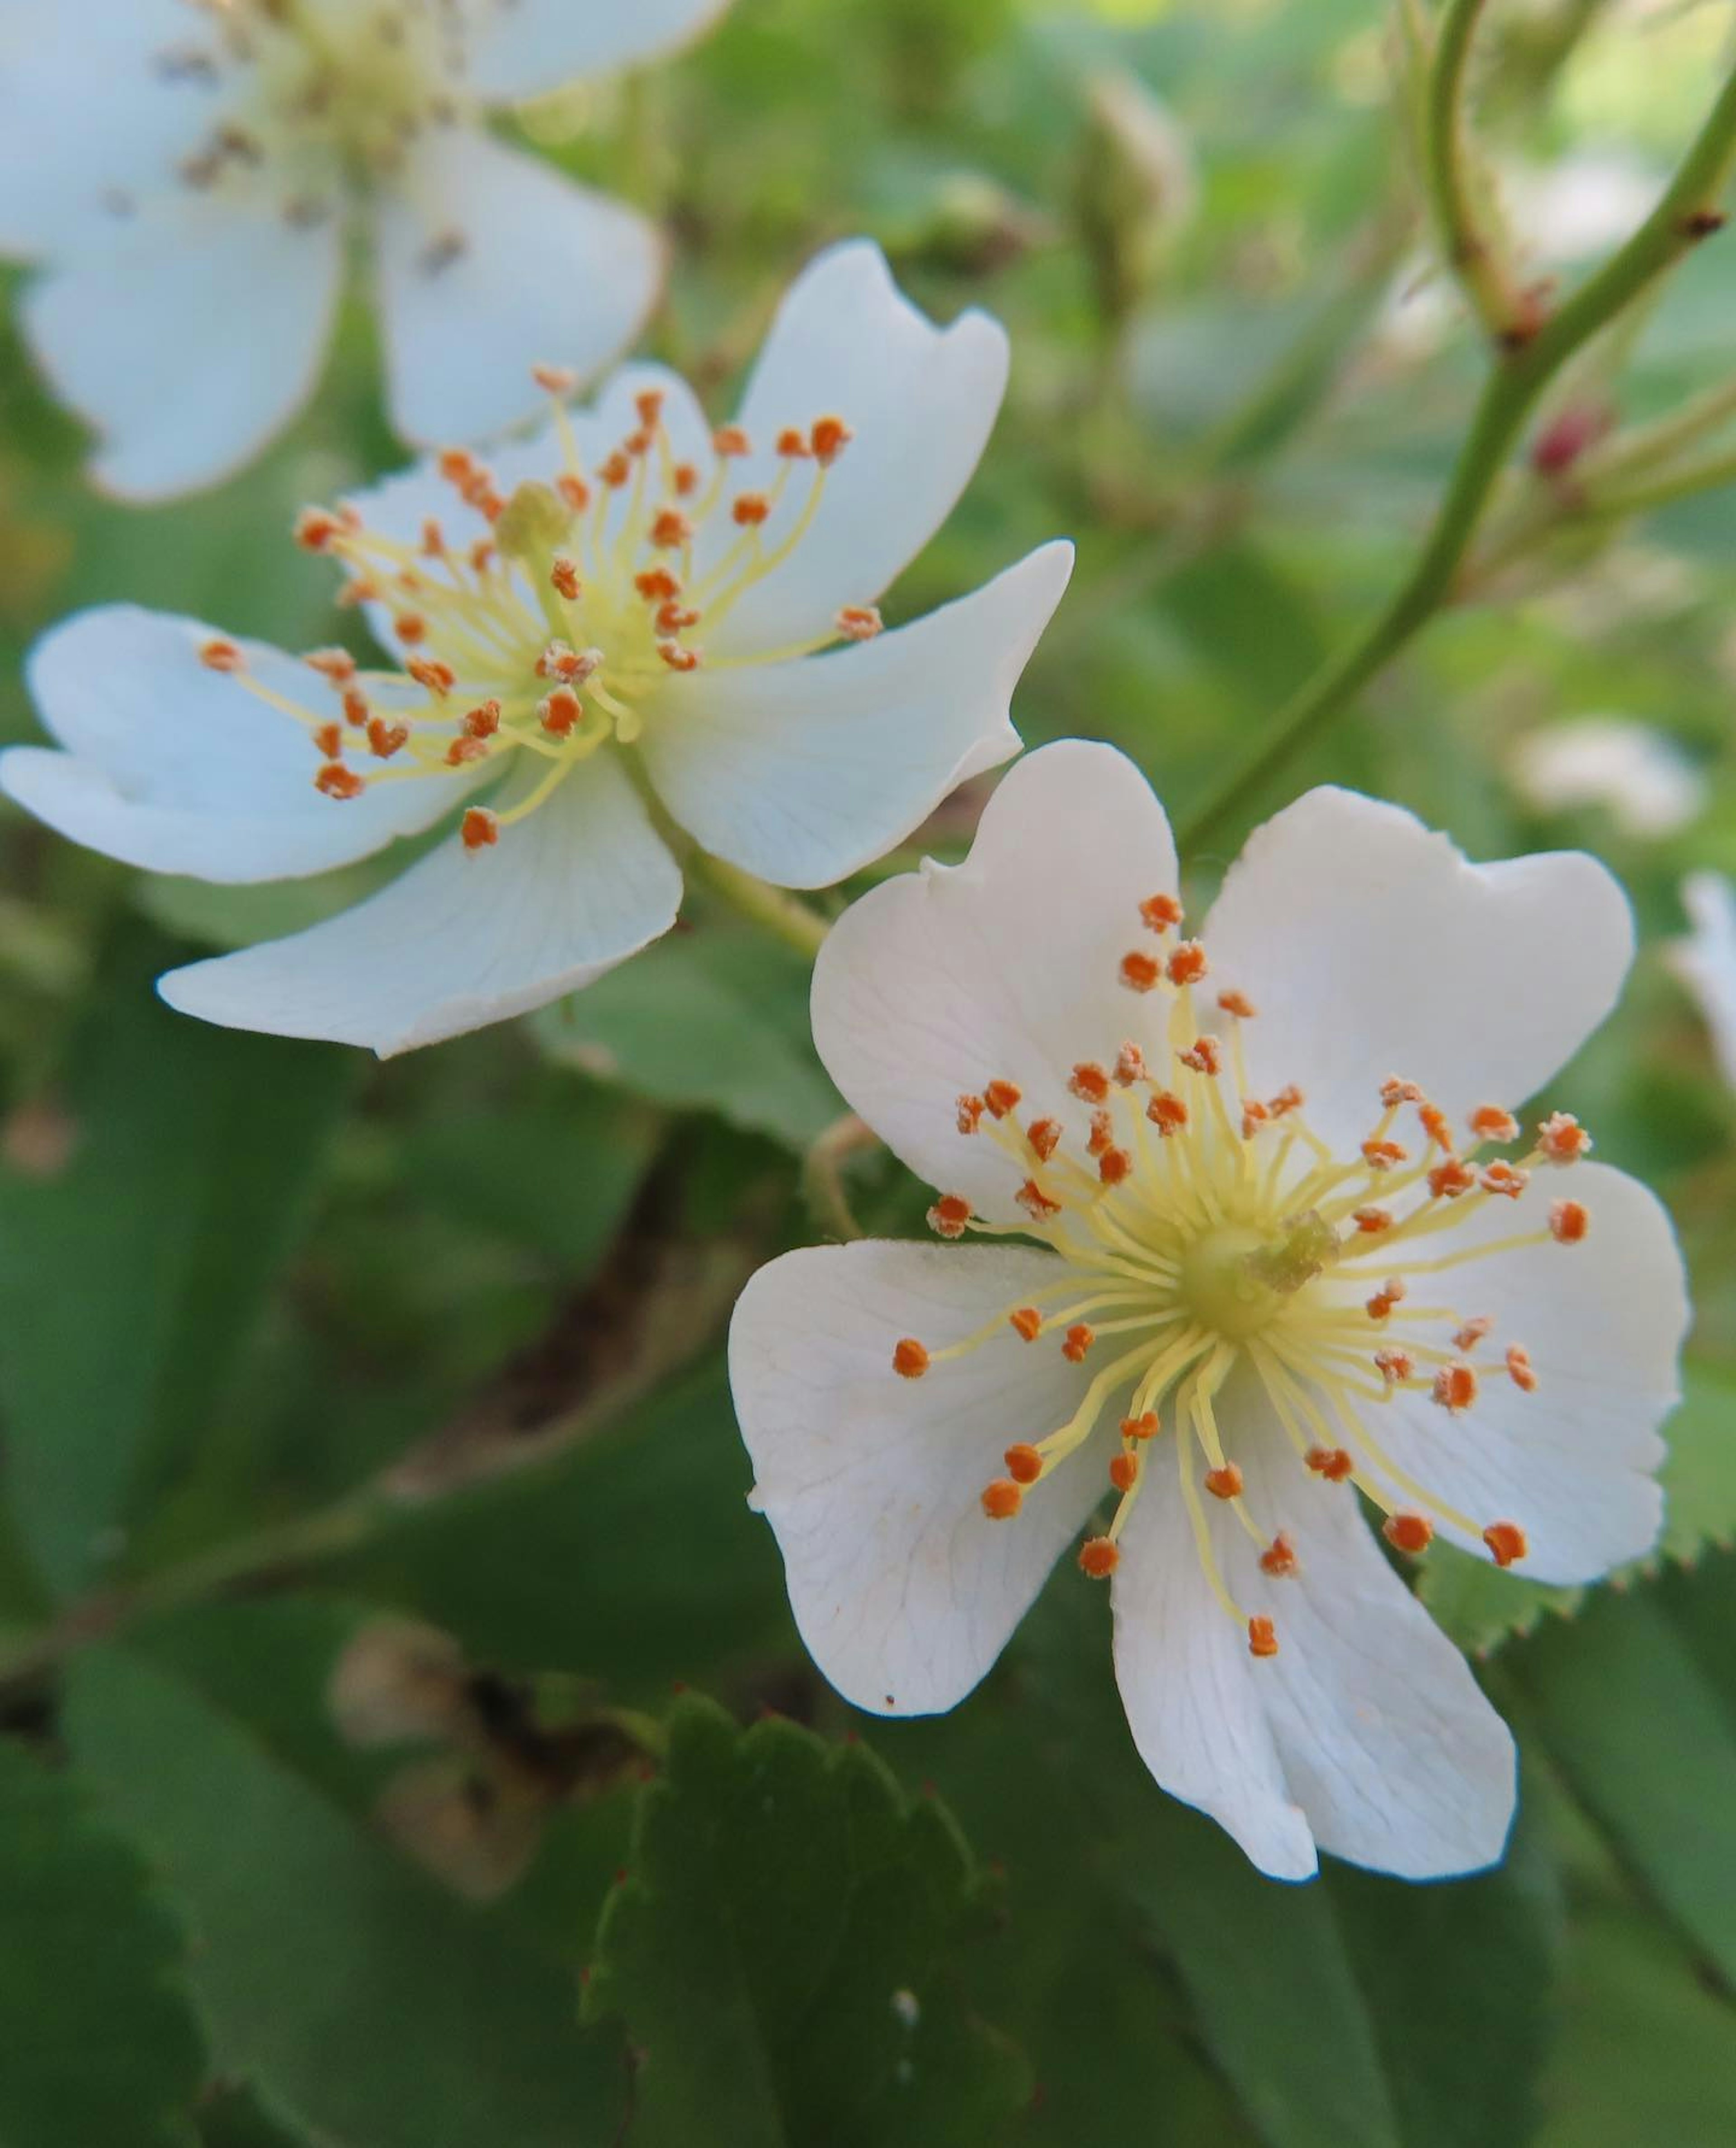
1663,490
1686,215
773,909
1471,250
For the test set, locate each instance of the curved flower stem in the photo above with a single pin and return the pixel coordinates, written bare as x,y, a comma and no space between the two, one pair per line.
1687,213
1471,249
823,1175
774,910
1682,481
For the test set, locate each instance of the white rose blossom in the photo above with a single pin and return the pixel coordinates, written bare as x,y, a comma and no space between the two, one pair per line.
609,635
1705,960
188,173
1234,1259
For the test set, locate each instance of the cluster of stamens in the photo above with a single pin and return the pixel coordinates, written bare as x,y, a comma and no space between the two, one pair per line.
550,635
1203,1226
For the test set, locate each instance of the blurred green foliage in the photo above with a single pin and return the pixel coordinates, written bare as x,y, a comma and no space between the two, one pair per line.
290,1344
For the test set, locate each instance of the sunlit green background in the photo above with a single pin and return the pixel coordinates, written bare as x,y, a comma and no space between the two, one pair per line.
462,1313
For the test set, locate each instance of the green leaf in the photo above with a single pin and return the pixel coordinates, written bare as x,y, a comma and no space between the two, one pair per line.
1648,1745
130,1278
781,1952
1392,2005
363,2003
715,1019
1646,2053
100,2041
1481,1607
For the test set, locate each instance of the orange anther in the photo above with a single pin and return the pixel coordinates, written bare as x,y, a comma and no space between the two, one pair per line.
1390,1293
1506,1541
457,465
1225,1483
670,528
1262,1637
1394,1366
1519,1369
337,665
657,586
1393,1092
479,828
1437,1126
1562,1138
1102,1133
328,740
1026,1323
1160,911
1489,1122
1254,1116
1080,1337
1455,1387
564,574
1371,1222
1044,1136
949,1215
685,478
1166,1112
649,403
1410,1533
1113,1166
1187,963
638,445
1099,1557
1568,1223
970,1110
1472,1333
910,1360
1129,1066
359,589
751,510
829,439
1140,1427
574,490
355,708
1001,1097
1289,1098
678,656
858,622
560,714
1139,972
1505,1178
1448,1179
555,379
482,553
317,530
1279,1557
410,627
675,617
483,720
464,749
1090,1082
1382,1155
1124,1470
433,539
615,471
1002,1499
1331,1462
793,445
384,739
428,672
1237,1004
1036,1203
1204,1056
220,655
730,440
1024,1464
337,781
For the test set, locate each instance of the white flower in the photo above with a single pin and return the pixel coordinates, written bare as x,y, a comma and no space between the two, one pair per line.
616,623
1642,779
188,172
1705,960
1223,1224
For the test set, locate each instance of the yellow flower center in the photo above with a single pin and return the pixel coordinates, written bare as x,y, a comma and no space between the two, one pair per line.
1206,1228
552,636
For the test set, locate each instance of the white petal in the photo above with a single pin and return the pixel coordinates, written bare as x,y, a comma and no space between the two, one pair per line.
1573,1462
523,47
1706,960
189,338
921,402
1366,1733
179,769
904,1591
1371,947
805,772
461,940
1637,773
89,120
546,272
1005,966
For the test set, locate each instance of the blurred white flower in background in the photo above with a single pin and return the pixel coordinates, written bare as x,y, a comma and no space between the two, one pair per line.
189,174
604,641
1636,774
1705,960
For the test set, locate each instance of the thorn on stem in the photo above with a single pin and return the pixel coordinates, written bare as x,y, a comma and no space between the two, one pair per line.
1701,224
